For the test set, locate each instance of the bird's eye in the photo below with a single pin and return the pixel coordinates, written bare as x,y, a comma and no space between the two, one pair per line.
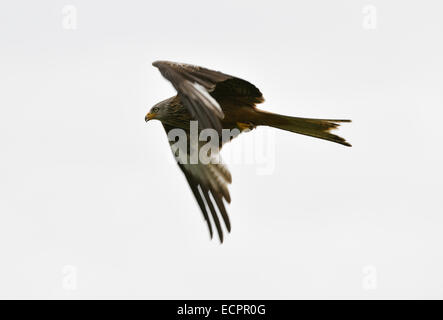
155,110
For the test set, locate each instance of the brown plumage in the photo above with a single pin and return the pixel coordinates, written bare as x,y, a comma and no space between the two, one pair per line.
220,101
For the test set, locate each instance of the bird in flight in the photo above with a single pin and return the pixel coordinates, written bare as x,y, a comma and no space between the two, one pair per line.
218,101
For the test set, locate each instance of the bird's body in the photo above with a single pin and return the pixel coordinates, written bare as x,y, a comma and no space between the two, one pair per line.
221,102
235,117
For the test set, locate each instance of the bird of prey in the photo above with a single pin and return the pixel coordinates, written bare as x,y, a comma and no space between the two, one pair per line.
219,101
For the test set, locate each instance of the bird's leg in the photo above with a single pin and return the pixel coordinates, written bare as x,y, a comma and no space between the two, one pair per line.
245,126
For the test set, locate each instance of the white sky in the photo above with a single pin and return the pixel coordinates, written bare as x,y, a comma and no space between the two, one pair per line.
84,182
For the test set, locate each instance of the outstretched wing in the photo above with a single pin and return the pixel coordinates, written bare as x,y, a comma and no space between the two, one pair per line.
209,184
200,89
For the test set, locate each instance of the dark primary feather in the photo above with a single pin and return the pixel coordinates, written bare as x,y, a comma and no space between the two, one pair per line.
208,183
198,197
238,90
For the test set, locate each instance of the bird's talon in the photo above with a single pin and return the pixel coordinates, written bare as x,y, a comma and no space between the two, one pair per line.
245,126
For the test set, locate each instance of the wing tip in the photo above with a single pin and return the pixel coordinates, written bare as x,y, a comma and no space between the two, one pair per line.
159,63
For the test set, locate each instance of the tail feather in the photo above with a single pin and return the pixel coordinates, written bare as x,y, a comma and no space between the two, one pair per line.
318,128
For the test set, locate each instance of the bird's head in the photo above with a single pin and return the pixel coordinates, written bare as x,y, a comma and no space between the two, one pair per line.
157,112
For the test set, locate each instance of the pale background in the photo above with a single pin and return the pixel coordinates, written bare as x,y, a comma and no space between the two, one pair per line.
92,207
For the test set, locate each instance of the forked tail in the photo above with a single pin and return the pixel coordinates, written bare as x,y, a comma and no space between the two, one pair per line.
318,128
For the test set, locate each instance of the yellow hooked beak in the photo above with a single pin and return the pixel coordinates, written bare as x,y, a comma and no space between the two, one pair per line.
150,116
